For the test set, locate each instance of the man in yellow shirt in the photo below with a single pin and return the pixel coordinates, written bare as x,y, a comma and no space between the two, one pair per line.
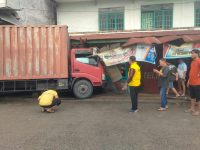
48,100
134,82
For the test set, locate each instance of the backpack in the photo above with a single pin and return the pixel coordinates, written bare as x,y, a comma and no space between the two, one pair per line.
172,69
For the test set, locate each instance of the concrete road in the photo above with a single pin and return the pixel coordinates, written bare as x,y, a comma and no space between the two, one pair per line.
100,123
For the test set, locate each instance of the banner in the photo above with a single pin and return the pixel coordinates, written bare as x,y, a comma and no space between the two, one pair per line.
183,51
120,55
146,53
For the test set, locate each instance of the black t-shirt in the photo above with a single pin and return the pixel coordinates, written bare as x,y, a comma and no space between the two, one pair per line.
163,81
172,71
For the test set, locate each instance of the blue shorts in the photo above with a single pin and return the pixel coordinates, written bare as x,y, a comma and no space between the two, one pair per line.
171,84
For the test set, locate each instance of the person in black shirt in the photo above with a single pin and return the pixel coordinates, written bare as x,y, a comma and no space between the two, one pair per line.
163,78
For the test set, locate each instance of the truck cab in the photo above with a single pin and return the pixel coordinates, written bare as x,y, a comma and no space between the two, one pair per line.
86,72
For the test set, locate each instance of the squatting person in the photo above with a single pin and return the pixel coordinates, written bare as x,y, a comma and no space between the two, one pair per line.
48,100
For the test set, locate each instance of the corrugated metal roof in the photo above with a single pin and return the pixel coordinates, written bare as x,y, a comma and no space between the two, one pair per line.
9,18
166,39
146,40
191,38
136,34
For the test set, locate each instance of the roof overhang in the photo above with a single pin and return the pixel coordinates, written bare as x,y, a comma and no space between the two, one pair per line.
70,1
146,37
9,15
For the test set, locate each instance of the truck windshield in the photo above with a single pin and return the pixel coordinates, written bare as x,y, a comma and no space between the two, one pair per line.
84,58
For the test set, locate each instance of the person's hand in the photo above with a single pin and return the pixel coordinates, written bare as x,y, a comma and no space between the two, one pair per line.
199,74
154,70
124,87
176,78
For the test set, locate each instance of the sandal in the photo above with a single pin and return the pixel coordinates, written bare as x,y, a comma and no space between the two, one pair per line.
189,111
197,113
162,109
44,110
50,111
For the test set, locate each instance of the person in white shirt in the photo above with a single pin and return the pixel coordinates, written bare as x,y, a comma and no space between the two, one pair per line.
182,70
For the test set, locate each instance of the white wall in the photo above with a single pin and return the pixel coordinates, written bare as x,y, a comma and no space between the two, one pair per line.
183,15
83,16
2,3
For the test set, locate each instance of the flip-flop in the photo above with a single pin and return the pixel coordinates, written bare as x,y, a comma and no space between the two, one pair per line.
196,113
189,111
162,109
50,111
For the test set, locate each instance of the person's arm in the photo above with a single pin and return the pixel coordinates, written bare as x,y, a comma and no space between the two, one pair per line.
56,95
199,67
185,71
131,74
188,83
176,75
159,73
164,73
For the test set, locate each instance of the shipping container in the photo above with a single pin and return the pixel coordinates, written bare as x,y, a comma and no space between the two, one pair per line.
36,58
33,52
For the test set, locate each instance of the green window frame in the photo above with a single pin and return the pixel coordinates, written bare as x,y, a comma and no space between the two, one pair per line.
197,14
157,17
111,19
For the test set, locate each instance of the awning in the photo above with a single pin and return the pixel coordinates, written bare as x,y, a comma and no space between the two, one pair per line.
9,15
161,40
191,38
142,37
133,34
166,39
146,40
9,18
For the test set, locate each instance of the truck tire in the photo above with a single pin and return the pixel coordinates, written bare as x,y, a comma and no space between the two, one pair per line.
82,89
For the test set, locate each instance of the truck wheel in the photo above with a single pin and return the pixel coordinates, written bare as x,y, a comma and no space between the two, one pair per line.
82,89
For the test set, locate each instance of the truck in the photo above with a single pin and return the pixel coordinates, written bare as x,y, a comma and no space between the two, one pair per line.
37,58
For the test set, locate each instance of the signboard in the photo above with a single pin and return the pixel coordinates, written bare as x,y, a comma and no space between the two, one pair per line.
183,51
146,53
120,55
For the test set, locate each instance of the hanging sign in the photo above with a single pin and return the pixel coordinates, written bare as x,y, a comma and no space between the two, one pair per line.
172,51
121,55
183,51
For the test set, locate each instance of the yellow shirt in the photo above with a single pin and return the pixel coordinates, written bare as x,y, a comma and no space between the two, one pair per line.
136,80
47,97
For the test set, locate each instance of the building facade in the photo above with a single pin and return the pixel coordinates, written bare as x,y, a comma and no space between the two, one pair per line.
109,24
26,12
109,15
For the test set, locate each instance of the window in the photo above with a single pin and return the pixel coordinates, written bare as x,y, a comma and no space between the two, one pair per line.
157,16
197,14
91,61
111,19
85,58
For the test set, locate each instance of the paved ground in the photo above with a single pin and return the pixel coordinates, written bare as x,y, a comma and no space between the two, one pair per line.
100,123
